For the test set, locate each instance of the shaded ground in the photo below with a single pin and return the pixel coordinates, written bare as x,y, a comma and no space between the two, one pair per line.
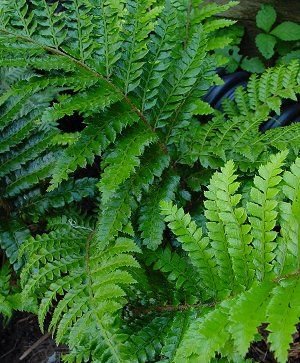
22,335
22,338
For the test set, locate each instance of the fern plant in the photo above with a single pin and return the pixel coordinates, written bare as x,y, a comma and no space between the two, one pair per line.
248,260
235,133
78,207
129,72
212,291
135,73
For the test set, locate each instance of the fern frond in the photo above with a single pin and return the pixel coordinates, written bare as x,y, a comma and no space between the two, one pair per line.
207,344
283,314
175,335
288,247
208,10
247,315
162,42
108,24
234,217
87,103
12,237
80,29
21,19
95,138
18,156
52,22
68,192
151,223
192,242
123,160
177,269
181,78
139,23
97,290
263,214
117,211
217,234
146,344
115,214
33,172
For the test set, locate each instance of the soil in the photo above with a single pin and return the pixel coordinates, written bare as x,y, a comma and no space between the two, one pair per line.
22,335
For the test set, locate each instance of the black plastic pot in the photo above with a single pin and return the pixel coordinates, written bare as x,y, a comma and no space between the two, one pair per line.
217,94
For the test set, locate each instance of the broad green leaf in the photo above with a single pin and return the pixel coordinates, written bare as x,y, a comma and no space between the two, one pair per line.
253,65
265,44
288,31
266,17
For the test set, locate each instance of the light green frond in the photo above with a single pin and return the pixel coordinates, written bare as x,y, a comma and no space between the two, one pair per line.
263,214
220,247
86,279
199,344
247,314
283,314
237,230
288,246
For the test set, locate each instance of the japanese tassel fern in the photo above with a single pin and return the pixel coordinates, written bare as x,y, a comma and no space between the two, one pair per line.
130,74
248,261
214,291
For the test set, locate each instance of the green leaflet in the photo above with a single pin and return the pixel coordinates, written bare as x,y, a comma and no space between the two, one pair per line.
283,313
263,214
247,314
236,230
123,160
151,222
207,344
193,242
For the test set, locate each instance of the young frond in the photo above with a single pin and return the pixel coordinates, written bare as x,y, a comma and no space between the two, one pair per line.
263,213
90,282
